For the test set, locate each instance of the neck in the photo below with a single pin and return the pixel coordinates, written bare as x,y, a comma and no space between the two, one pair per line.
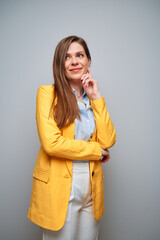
79,89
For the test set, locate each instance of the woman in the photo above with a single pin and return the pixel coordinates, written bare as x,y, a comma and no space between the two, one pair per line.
75,131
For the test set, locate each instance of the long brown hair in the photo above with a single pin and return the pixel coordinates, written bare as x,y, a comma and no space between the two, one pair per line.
65,107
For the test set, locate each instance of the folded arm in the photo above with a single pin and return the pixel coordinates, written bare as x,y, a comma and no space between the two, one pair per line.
52,141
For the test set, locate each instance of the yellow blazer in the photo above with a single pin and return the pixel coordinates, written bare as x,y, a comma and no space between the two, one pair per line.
52,176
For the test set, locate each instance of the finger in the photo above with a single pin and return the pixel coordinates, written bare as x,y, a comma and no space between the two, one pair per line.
86,74
86,78
106,152
105,159
83,75
88,82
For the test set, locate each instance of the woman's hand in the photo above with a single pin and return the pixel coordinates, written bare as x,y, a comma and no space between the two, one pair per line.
105,155
90,86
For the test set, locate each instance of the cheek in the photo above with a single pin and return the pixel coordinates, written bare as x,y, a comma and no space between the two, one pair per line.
86,64
65,66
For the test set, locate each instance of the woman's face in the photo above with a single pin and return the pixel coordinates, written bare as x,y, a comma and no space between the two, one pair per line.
76,63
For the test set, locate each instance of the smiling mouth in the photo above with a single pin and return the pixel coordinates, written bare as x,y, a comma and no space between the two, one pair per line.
75,69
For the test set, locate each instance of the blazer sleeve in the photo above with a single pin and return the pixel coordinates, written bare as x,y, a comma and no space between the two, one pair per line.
51,139
106,135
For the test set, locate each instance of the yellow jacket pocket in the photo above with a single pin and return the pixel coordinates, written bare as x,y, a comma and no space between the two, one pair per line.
41,174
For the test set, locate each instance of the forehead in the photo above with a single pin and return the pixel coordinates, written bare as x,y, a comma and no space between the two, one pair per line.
75,47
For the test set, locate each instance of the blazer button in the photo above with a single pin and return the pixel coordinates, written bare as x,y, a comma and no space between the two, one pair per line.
92,174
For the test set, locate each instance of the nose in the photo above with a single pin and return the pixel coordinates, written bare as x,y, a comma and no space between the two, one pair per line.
74,61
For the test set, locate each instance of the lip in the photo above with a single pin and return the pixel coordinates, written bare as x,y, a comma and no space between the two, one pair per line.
75,69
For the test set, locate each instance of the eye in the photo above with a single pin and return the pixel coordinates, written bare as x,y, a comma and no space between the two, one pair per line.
80,55
67,57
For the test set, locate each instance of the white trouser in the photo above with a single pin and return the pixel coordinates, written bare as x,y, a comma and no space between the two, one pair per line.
80,223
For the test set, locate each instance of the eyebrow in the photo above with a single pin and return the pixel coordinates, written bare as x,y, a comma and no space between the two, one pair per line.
79,52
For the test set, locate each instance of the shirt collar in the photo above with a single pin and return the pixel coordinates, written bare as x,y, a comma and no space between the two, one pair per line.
83,95
84,98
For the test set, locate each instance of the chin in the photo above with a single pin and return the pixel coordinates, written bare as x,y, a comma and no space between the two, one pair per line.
76,77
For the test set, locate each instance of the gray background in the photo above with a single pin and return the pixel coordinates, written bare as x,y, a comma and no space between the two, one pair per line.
123,37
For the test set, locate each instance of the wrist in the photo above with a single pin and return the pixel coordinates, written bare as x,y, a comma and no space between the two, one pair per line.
96,96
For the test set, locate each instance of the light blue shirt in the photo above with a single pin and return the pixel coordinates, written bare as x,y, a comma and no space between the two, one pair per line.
84,128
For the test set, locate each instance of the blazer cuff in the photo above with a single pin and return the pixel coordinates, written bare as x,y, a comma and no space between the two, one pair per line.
98,103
